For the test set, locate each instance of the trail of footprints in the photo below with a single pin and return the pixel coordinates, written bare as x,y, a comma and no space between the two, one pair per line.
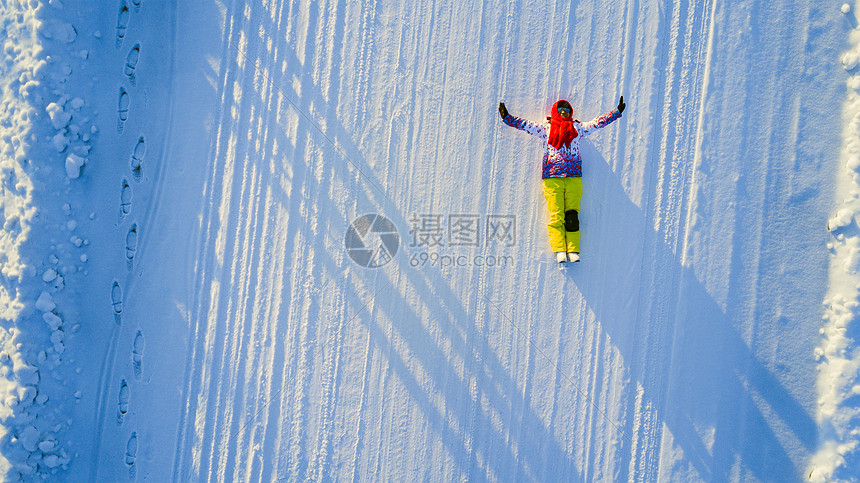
138,153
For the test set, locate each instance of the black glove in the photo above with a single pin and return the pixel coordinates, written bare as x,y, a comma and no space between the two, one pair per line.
503,111
621,104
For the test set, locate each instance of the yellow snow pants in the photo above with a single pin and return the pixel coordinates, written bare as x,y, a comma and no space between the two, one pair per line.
562,200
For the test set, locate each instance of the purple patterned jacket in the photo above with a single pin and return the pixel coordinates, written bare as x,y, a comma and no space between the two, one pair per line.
564,162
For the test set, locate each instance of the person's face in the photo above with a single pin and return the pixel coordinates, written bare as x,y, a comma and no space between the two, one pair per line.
564,112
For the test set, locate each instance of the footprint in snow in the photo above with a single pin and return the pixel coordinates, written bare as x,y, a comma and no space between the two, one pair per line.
131,245
122,22
122,109
137,159
122,402
137,355
125,199
116,300
131,63
131,454
136,4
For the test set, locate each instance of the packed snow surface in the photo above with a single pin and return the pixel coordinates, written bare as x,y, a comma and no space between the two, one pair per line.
282,241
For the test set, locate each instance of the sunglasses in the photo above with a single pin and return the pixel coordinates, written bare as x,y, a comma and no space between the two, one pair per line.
564,109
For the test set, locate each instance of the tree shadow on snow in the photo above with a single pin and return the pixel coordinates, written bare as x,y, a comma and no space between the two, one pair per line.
462,390
465,396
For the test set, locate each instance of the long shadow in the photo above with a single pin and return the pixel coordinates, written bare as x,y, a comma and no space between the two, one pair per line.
710,376
480,364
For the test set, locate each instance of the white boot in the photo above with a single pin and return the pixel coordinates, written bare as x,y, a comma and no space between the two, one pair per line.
561,257
573,257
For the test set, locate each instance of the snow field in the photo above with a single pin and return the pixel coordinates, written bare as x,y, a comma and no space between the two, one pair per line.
178,303
672,352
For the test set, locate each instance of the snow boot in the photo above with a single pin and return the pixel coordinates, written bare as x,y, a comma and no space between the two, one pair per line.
573,257
560,257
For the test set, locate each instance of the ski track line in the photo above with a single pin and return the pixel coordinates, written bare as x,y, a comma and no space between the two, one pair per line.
472,424
665,213
643,441
233,402
294,290
307,349
251,348
658,282
298,463
199,370
274,328
331,365
633,40
361,426
267,302
297,291
691,93
241,275
516,348
308,332
227,352
604,441
643,428
243,348
376,466
258,372
272,433
695,92
699,139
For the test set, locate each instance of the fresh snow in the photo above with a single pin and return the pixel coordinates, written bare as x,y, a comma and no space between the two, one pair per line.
838,455
182,295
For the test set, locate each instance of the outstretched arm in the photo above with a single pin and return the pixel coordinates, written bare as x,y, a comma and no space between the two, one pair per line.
530,127
604,119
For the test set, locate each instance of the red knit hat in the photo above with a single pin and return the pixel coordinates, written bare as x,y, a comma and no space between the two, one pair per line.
561,130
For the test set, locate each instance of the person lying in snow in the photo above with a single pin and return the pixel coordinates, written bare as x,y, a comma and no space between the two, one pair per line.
562,169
